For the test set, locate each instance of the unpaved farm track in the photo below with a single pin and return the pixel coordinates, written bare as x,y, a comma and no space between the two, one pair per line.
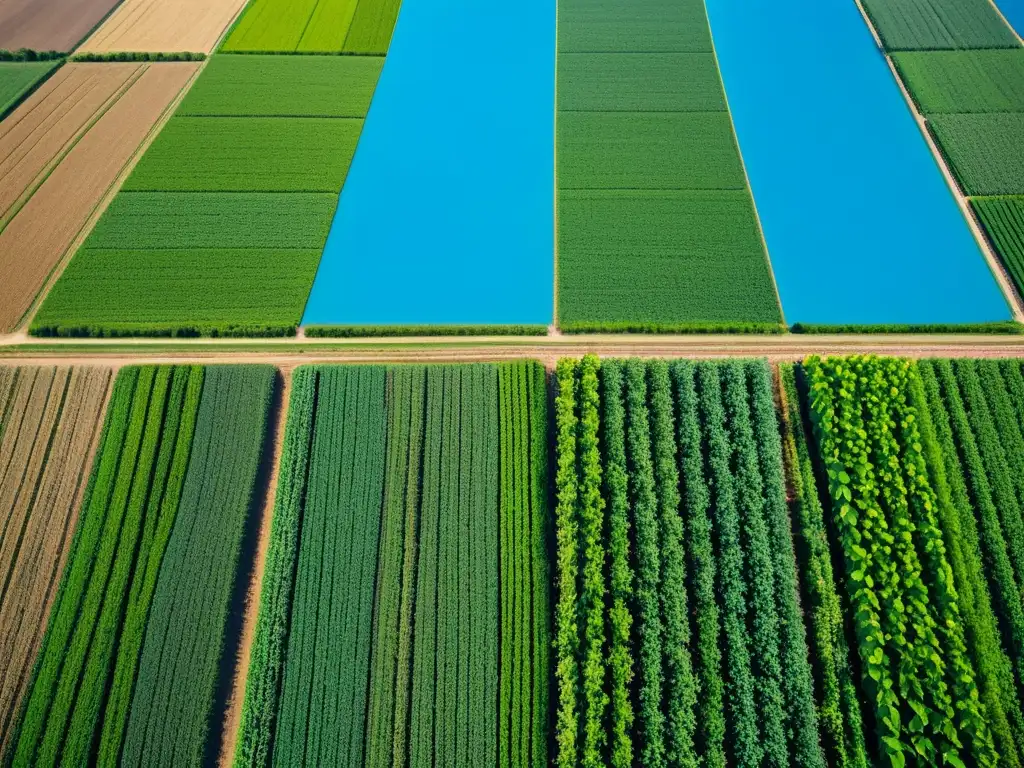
43,229
49,427
288,353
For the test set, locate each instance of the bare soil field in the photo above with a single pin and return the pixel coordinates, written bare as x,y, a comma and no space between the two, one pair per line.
46,126
41,232
49,25
164,25
48,435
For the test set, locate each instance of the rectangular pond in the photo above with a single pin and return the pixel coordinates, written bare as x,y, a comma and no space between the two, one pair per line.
860,225
447,212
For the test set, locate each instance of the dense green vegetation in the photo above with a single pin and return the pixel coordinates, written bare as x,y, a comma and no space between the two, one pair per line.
985,151
836,693
82,687
913,25
18,79
694,550
964,81
662,240
248,154
179,700
918,673
433,580
1003,219
308,26
656,224
284,86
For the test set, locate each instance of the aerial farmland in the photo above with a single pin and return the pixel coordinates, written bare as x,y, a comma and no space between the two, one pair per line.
421,383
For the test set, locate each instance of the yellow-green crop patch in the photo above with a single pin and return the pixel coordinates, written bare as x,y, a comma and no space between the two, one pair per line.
964,81
647,150
248,154
284,86
309,26
639,82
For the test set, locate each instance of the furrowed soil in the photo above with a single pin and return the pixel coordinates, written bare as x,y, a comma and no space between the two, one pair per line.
49,25
46,126
164,25
49,437
39,235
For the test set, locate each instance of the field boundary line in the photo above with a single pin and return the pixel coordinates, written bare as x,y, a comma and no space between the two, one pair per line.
254,593
554,179
743,165
104,202
1006,21
995,264
69,145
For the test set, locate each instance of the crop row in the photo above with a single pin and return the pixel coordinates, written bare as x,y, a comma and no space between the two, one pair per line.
891,513
433,580
177,462
673,532
49,419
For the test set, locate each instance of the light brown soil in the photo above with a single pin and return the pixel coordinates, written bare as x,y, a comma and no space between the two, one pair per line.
164,25
42,231
49,25
233,715
44,128
51,446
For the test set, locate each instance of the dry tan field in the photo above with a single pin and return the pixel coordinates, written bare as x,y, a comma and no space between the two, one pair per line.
164,25
49,25
49,425
33,242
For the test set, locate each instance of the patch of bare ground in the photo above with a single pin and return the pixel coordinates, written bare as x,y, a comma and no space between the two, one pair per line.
50,431
37,238
49,25
233,712
164,25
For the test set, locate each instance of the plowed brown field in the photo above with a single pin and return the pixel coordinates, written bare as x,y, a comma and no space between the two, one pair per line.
164,25
42,130
48,433
40,233
49,25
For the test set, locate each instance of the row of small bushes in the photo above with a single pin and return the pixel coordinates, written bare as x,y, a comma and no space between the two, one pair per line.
354,331
138,330
27,54
140,56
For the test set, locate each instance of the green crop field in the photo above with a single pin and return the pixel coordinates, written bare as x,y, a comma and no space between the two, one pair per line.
964,81
679,638
248,154
176,465
181,220
432,586
608,26
985,151
639,82
647,150
178,701
922,25
18,78
184,291
308,26
284,86
1003,219
692,256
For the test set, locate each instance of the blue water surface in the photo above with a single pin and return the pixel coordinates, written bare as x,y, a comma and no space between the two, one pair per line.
1013,10
859,222
447,212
